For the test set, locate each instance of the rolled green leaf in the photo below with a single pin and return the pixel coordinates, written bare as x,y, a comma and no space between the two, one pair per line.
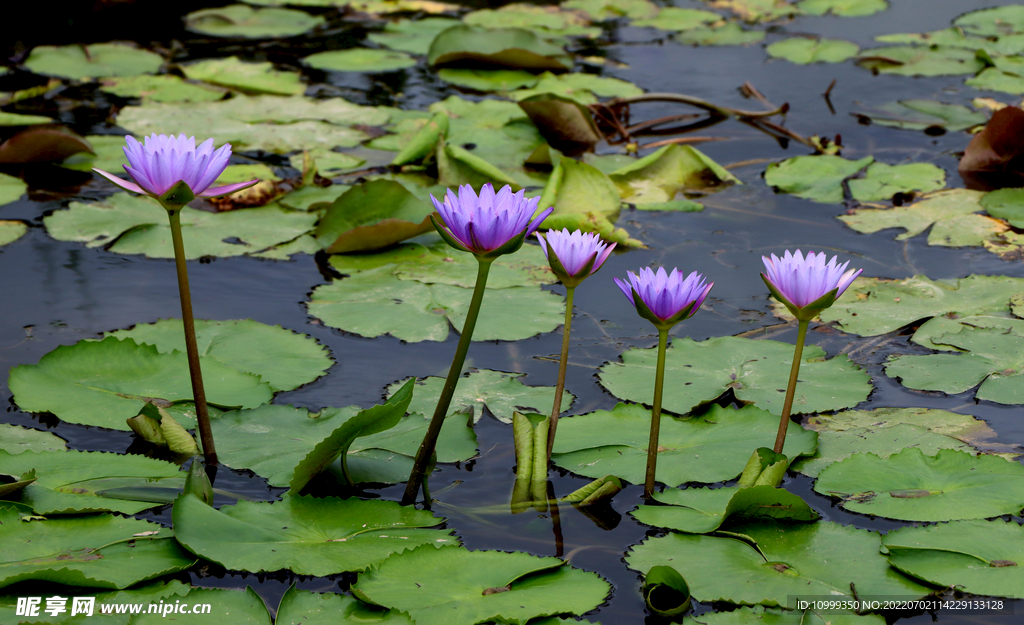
765,468
198,483
423,142
598,490
665,591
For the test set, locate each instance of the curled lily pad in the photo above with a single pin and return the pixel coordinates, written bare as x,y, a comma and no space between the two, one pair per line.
911,486
247,77
239,20
106,382
48,144
918,114
373,215
468,587
703,510
457,166
772,564
709,448
602,10
412,36
504,47
668,172
360,60
307,535
756,371
979,557
665,591
583,88
545,19
96,551
564,123
92,61
995,21
488,80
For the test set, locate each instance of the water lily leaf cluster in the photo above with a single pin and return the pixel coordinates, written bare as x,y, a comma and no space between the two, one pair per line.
928,115
252,78
92,61
241,21
821,178
161,88
803,50
703,510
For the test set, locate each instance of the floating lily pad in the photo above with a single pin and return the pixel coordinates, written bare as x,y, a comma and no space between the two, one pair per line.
931,333
583,88
73,482
760,615
993,79
11,231
328,163
994,359
11,189
757,371
886,431
505,47
675,18
577,188
978,557
131,224
412,36
911,486
17,119
1006,204
105,382
467,587
285,360
881,181
875,306
307,535
371,216
242,607
952,216
703,510
247,77
97,551
149,593
488,80
109,155
16,439
92,61
709,448
313,608
818,178
239,20
501,393
360,60
805,50
996,21
926,114
790,561
668,172
603,10
844,8
729,34
271,123
163,88
921,61
553,20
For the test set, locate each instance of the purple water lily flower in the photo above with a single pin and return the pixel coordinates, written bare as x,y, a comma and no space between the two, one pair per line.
665,298
807,285
162,162
490,224
574,256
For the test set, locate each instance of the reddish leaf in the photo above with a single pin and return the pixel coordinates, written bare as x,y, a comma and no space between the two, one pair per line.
45,144
995,156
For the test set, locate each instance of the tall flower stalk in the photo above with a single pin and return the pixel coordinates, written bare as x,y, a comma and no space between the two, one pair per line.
487,226
573,257
664,299
173,171
806,286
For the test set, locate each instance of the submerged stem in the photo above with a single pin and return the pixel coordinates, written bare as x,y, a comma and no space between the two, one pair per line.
191,350
556,407
659,384
444,401
780,438
723,111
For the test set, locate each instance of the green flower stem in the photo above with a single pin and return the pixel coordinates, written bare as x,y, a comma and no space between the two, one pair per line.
198,392
556,408
419,466
801,335
659,385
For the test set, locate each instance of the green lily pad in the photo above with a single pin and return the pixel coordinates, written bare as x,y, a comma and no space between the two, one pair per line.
307,535
844,8
313,608
926,114
373,215
501,393
668,172
11,231
789,561
931,333
505,47
246,77
550,20
109,155
457,166
92,61
709,448
467,587
996,21
16,439
993,360
1005,204
73,482
103,383
978,557
703,510
97,551
953,37
11,189
412,36
911,486
328,163
757,371
875,306
729,34
162,88
952,216
675,18
488,80
920,60
818,178
603,10
149,593
577,188
804,50
360,60
239,20
760,615
241,607
881,181
275,124
582,88
994,79
17,119
285,360
130,224
886,431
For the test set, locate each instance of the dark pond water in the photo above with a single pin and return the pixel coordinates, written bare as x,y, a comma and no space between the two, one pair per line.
57,293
